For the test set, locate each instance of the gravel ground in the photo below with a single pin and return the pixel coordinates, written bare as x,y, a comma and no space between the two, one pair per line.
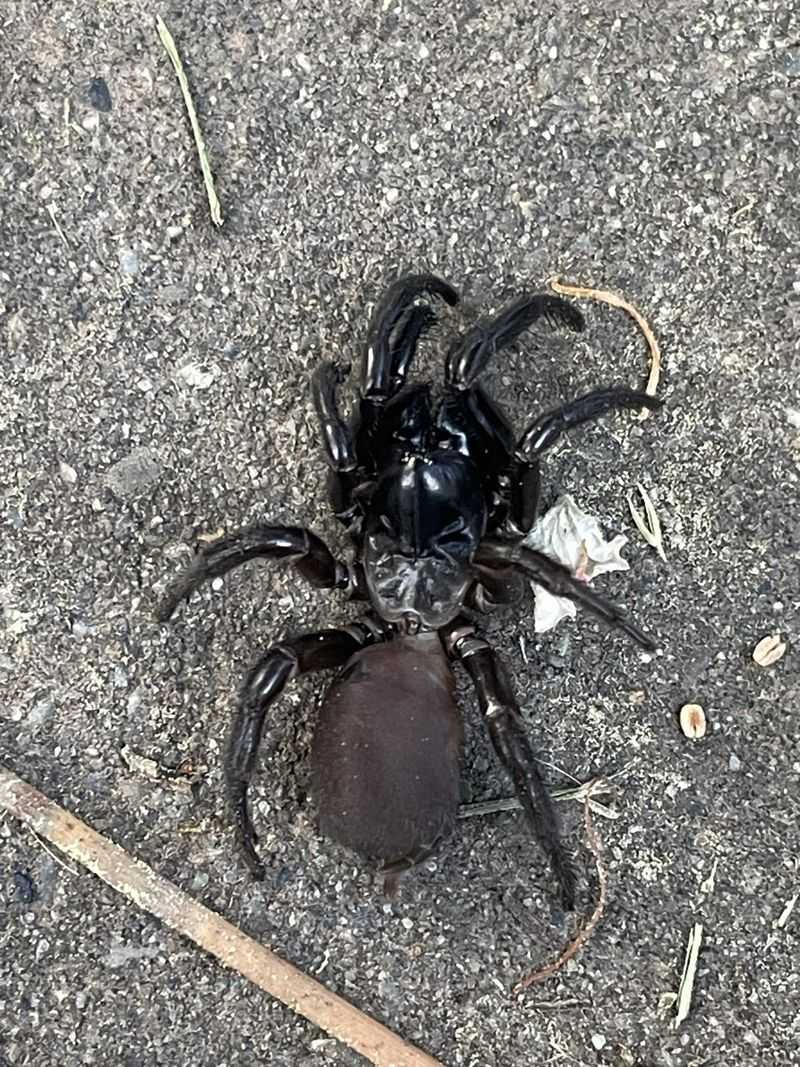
154,386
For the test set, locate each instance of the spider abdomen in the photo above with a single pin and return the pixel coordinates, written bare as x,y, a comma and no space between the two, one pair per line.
387,750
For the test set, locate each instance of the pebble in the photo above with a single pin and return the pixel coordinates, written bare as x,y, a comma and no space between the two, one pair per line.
598,1041
23,884
69,475
134,473
128,261
99,95
734,763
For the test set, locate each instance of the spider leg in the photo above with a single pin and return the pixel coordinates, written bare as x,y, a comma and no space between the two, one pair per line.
493,589
308,553
397,325
470,355
524,491
507,731
544,431
338,443
559,581
264,683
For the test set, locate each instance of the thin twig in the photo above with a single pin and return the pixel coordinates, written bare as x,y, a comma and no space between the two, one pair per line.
208,178
588,928
139,883
607,297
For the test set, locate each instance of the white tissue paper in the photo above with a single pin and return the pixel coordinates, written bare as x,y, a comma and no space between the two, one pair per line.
575,539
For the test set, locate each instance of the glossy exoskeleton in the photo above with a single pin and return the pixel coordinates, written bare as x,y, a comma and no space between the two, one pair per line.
437,495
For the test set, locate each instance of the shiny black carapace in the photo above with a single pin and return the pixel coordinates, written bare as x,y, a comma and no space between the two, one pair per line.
437,495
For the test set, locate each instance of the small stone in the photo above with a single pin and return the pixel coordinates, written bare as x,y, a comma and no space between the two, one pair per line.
734,763
69,475
697,140
128,261
174,232
392,195
793,417
134,473
197,375
99,95
42,948
424,51
40,713
80,629
598,1041
25,890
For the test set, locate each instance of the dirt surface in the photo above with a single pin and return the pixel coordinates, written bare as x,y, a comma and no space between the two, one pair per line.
154,387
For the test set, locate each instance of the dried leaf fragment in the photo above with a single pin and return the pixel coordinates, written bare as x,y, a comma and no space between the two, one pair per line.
211,536
693,721
769,650
650,529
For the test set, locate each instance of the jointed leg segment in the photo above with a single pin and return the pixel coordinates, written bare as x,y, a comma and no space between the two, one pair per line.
263,685
507,731
308,553
558,580
544,431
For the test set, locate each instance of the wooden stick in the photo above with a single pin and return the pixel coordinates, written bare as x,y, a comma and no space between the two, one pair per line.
139,883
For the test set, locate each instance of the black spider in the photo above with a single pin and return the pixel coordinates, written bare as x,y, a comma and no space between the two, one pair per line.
437,496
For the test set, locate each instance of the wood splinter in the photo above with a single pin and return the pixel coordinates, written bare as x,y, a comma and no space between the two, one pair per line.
140,884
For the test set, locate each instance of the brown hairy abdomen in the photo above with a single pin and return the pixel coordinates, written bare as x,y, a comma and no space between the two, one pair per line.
387,750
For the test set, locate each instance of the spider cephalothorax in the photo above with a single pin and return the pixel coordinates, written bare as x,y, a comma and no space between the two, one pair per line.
437,497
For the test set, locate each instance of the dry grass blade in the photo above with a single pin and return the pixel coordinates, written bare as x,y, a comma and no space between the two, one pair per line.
787,911
586,931
587,791
51,211
172,51
686,988
607,297
649,528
